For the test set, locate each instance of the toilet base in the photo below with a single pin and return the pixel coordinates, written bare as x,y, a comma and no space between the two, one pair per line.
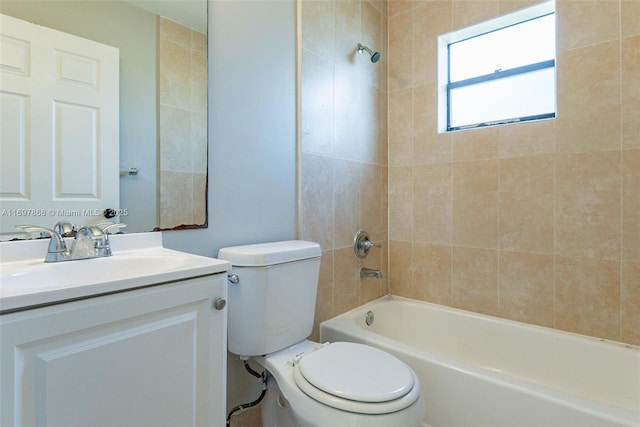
275,409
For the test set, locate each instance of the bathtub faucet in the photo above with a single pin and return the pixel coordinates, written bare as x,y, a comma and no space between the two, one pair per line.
370,272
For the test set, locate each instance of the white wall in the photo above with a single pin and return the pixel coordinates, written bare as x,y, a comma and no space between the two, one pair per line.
252,140
252,127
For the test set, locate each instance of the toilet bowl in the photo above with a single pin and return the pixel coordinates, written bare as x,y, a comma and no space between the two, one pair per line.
271,303
380,390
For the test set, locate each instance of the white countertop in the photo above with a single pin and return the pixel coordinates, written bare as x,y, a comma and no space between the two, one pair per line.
138,260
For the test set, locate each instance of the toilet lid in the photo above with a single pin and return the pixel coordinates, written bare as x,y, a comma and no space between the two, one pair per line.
357,372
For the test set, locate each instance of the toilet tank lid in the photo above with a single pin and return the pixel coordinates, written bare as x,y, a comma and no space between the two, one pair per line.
263,254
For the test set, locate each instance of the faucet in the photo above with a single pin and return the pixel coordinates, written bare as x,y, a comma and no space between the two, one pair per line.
370,272
92,241
57,250
89,242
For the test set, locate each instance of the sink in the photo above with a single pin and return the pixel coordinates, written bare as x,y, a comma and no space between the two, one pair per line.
18,276
138,260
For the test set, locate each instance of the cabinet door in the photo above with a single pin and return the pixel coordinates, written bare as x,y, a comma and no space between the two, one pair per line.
149,357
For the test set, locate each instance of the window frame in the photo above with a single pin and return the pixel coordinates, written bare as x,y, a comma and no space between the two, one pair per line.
495,24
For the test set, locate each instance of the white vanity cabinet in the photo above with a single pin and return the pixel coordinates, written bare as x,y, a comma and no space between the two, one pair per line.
154,356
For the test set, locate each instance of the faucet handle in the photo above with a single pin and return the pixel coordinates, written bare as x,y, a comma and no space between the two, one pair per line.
33,228
57,246
362,244
106,226
92,231
102,229
367,244
55,236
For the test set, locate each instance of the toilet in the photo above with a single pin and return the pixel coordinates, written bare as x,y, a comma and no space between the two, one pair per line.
270,315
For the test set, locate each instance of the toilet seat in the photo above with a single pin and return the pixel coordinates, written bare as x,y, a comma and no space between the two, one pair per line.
356,378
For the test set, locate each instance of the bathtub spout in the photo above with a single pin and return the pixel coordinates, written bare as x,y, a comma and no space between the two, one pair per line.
370,272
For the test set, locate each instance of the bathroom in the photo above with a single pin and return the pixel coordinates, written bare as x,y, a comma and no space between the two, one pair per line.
371,158
550,234
368,156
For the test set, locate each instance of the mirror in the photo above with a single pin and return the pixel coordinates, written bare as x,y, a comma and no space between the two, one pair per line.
162,107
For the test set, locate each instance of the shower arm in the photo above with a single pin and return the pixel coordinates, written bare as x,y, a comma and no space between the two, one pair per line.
375,56
362,47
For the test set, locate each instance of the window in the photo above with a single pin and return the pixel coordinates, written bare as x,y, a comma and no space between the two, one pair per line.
500,71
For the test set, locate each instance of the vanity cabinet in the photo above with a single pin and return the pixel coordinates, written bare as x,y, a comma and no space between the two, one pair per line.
154,356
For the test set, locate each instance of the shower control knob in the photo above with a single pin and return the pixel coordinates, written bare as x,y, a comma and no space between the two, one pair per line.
362,244
220,303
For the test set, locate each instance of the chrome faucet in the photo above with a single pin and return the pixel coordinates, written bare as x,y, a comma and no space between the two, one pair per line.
370,272
92,241
57,250
89,242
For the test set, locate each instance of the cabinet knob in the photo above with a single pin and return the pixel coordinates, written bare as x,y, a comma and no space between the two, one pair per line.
219,303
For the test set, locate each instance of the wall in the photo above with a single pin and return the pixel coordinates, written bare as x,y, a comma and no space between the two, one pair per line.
536,222
252,128
343,146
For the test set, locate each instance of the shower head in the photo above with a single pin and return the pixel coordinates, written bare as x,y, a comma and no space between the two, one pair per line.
375,56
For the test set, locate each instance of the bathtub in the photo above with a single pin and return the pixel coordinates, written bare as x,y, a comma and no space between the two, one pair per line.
478,370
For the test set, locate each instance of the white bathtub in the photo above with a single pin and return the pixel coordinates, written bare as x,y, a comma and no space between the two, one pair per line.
478,370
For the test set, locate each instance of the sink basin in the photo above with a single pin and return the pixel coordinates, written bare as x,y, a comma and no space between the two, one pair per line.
18,276
30,281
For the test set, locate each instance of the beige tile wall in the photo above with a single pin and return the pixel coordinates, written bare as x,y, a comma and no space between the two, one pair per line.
344,146
182,92
536,222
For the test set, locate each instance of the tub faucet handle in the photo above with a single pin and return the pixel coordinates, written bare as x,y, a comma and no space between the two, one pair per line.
362,244
368,244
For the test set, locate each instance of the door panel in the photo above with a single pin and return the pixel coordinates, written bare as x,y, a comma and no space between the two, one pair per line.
60,126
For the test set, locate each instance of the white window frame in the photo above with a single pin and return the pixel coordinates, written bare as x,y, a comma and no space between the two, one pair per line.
497,23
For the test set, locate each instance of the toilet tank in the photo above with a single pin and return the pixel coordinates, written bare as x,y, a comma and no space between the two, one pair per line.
272,305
